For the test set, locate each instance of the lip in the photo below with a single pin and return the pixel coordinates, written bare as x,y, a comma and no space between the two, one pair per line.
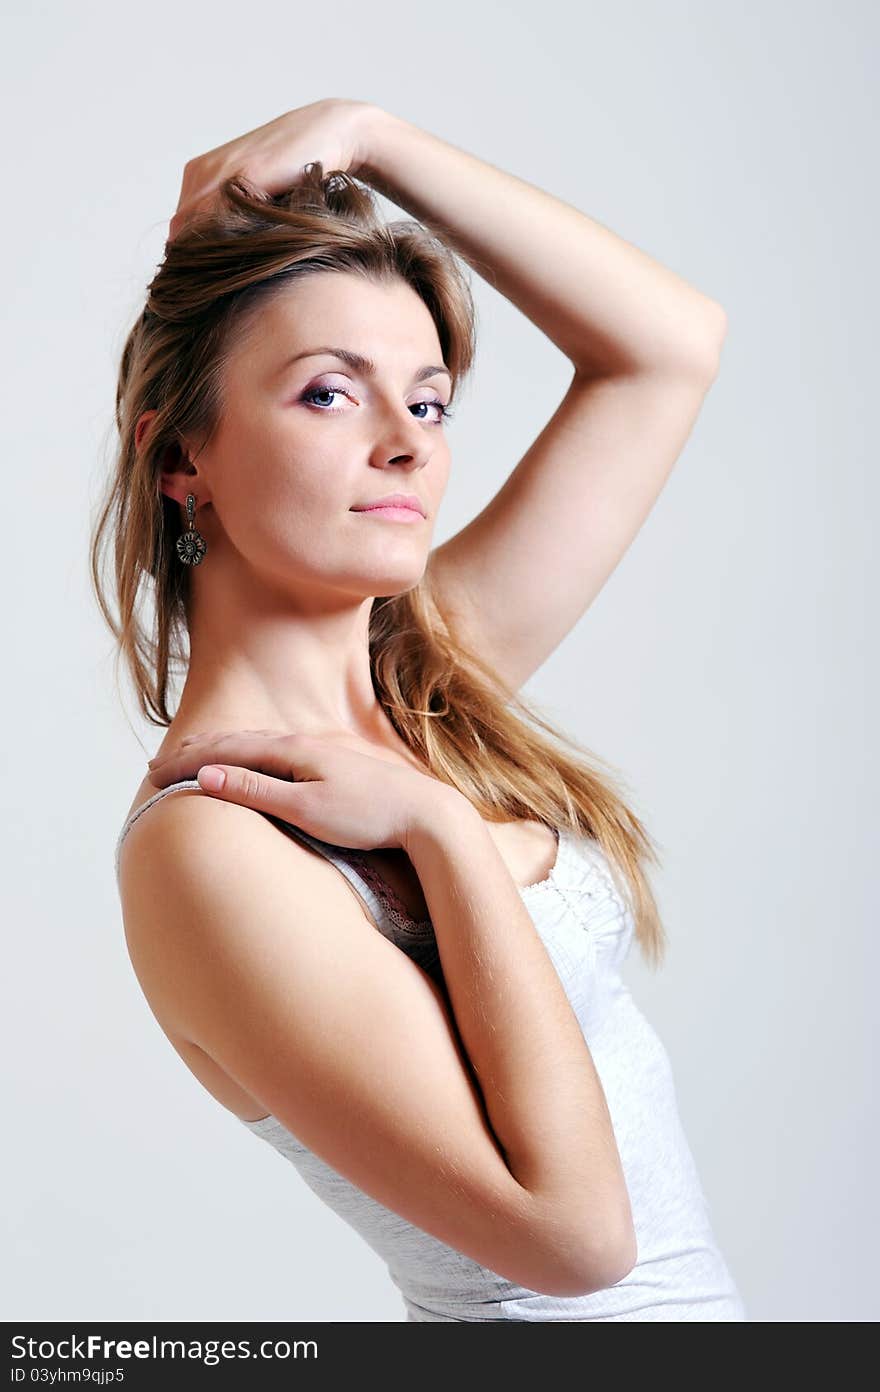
392,514
393,502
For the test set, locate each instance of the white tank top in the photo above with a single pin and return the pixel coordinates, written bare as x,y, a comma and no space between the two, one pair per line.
587,930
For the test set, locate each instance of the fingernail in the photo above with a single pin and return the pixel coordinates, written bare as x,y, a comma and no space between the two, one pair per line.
211,778
151,762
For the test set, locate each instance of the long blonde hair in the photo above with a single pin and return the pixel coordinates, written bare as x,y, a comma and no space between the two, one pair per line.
445,703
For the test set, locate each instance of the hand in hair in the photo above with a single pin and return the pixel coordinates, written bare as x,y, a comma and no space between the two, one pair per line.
317,782
332,130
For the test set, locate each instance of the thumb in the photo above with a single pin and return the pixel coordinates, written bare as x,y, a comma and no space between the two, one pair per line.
242,785
212,778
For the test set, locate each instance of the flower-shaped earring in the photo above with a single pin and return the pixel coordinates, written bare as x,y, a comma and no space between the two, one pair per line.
191,545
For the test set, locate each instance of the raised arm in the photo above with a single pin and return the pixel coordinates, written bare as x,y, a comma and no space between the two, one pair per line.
645,347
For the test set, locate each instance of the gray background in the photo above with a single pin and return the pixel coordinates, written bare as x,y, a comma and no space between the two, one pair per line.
728,667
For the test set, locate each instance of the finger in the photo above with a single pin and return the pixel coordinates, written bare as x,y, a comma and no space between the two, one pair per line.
275,755
205,736
248,788
219,734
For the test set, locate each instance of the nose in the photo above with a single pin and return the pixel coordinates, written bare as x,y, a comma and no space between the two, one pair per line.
402,442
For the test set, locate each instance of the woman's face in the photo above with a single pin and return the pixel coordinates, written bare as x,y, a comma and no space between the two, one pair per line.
305,438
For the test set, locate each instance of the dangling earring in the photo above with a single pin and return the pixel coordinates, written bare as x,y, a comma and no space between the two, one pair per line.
191,545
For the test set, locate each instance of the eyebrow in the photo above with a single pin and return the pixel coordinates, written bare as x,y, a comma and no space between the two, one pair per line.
359,363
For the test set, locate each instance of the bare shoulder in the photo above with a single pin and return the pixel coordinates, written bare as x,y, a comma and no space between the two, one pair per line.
188,832
252,946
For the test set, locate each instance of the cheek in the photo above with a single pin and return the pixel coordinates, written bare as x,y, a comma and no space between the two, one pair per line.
276,505
438,475
268,472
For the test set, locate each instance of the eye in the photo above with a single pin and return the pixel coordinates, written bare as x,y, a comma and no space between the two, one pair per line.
445,413
321,391
312,393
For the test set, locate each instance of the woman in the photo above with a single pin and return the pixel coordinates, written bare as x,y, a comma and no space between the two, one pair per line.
390,943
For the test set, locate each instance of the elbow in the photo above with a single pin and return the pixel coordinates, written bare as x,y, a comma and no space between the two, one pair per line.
697,355
710,358
604,1269
692,354
612,1265
585,1267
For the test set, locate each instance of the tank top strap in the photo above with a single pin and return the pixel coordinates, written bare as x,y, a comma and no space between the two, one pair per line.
139,811
388,914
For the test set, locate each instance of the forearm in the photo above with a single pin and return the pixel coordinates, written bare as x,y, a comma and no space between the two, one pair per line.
543,1097
604,303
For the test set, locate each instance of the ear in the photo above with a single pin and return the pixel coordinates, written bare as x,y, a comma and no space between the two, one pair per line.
174,455
142,428
177,474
